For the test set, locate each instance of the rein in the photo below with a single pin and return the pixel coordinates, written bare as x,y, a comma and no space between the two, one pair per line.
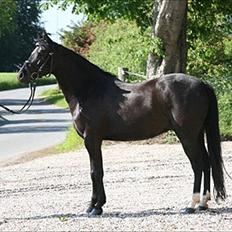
27,105
32,85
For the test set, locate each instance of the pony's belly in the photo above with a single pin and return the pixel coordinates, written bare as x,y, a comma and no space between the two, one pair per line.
122,135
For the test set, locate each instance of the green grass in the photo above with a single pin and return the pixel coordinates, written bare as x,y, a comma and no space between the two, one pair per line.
72,141
56,97
10,81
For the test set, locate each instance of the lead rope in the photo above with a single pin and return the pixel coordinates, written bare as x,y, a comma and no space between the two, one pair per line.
27,105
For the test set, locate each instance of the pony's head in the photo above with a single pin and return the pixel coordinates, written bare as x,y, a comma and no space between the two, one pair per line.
40,61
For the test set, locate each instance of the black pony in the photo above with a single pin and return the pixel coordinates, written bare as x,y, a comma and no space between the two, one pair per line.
105,108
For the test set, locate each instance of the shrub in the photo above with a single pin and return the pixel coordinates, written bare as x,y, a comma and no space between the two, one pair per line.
121,44
79,37
225,115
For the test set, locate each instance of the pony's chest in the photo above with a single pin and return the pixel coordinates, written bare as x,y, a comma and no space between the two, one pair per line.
79,120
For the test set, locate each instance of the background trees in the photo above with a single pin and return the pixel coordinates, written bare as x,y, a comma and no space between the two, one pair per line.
7,8
166,18
208,24
19,28
207,39
200,46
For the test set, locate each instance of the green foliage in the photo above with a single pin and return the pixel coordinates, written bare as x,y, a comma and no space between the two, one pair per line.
7,9
10,81
210,52
96,10
209,60
122,44
79,37
225,114
209,20
209,23
16,44
127,45
55,96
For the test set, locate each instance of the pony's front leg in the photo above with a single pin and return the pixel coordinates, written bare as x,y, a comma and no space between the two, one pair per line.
98,199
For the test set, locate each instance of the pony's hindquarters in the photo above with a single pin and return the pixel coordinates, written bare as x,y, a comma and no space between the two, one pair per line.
194,111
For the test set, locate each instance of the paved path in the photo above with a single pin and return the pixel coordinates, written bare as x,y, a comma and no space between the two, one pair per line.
42,126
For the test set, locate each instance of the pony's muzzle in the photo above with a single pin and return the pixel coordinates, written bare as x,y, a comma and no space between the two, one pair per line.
21,76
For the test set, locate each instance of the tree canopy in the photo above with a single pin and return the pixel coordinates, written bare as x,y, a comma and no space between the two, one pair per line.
205,14
208,23
140,11
17,43
7,9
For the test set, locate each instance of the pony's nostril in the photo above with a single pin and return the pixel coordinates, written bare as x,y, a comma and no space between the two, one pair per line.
20,75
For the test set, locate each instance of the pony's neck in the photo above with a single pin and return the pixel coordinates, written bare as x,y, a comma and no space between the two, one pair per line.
76,76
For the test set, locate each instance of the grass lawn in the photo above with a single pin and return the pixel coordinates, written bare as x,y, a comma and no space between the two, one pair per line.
10,81
72,141
56,97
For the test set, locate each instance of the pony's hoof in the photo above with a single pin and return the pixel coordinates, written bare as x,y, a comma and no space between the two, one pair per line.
88,211
96,212
187,210
202,208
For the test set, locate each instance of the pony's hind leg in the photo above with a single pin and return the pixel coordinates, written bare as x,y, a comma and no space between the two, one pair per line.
193,150
206,170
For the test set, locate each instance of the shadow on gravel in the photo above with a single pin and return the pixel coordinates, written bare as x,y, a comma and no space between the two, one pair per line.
39,111
21,102
222,210
140,214
34,129
64,217
120,215
165,212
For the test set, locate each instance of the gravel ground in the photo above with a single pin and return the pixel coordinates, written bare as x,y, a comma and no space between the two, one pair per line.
146,186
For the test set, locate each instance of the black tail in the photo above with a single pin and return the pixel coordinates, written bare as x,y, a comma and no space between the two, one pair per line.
214,145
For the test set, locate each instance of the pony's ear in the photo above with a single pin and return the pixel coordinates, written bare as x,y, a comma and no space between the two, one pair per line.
43,36
46,37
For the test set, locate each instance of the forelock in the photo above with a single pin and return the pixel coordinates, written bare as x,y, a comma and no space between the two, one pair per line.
42,42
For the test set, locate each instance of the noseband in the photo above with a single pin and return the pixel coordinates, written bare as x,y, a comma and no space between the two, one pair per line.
36,75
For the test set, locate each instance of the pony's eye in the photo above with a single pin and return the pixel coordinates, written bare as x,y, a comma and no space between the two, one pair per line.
40,50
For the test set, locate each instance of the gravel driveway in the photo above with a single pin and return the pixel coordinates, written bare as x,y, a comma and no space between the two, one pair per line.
146,186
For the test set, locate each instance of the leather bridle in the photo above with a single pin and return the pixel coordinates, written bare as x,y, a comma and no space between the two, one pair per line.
35,75
32,84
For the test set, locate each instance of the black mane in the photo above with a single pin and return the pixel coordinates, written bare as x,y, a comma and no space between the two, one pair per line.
86,63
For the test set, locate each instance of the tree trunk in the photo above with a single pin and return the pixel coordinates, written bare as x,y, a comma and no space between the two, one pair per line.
170,18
